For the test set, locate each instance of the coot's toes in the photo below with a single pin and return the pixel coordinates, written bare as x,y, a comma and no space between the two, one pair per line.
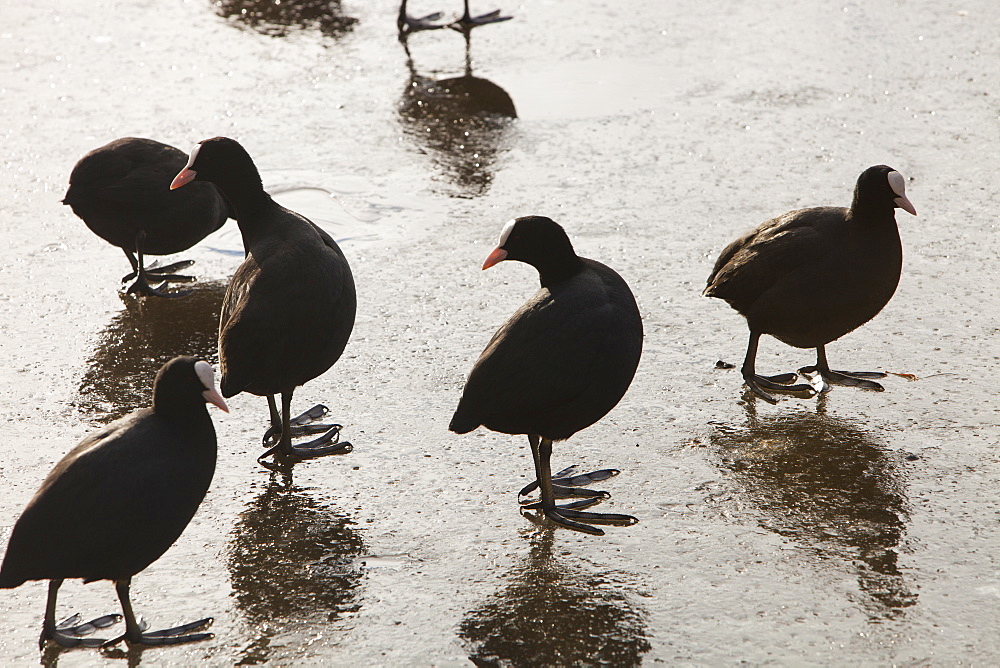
847,378
416,24
155,268
300,425
782,378
470,22
756,383
327,444
174,636
70,632
569,477
567,515
142,287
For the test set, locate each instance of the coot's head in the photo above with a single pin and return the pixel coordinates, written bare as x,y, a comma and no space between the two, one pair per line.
881,187
222,161
538,241
184,383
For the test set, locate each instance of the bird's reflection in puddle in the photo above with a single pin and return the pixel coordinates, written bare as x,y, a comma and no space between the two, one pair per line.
131,654
291,560
556,613
142,337
833,489
278,18
462,122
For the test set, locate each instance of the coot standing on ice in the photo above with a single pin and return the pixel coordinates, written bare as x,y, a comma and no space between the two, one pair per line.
118,500
559,364
810,276
120,191
289,308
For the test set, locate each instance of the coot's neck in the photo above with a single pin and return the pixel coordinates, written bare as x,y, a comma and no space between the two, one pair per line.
185,410
872,209
245,192
554,269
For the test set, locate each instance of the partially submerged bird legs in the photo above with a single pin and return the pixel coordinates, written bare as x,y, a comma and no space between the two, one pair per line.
562,487
161,275
278,437
849,378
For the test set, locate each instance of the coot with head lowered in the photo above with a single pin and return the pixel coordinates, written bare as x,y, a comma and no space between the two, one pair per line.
118,500
120,191
810,276
559,364
289,308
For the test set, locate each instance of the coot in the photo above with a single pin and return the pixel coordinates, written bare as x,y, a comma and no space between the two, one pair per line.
559,364
289,308
120,191
118,500
810,276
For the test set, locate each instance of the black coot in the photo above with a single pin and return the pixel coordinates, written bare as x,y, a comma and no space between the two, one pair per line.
559,364
118,500
810,276
289,308
121,192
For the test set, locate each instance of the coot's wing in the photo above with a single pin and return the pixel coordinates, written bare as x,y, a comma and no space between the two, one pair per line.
541,359
279,316
749,266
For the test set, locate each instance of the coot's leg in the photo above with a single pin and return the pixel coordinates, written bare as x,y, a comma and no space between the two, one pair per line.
70,632
327,444
142,275
467,22
135,631
568,483
541,451
777,383
850,378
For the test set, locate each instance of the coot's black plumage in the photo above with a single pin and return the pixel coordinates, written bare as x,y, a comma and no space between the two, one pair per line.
119,499
561,362
810,276
289,308
121,191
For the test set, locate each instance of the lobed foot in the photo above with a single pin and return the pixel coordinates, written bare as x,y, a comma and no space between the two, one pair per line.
410,24
469,22
562,515
300,425
174,636
142,287
327,444
156,271
779,383
847,378
568,483
71,633
161,275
